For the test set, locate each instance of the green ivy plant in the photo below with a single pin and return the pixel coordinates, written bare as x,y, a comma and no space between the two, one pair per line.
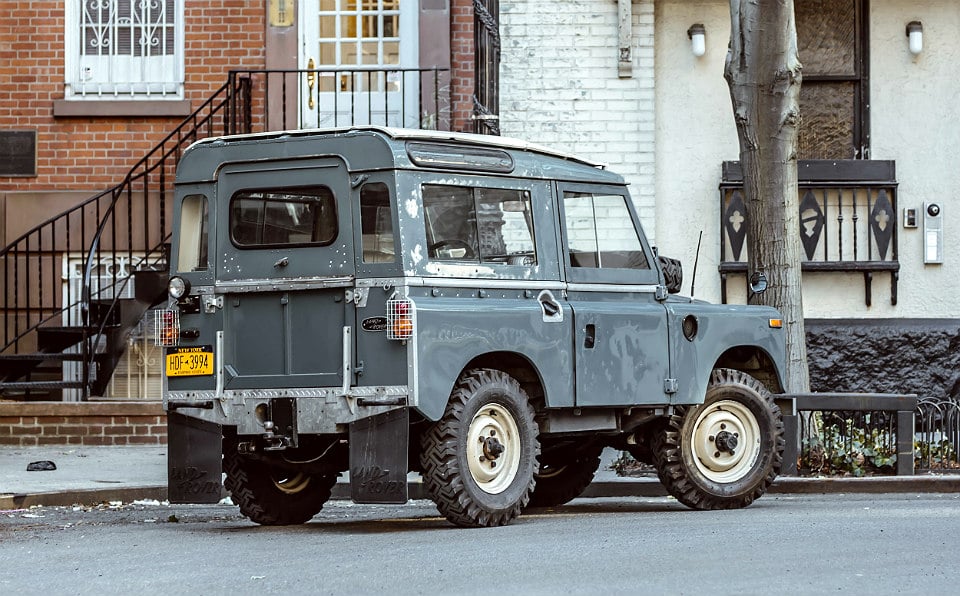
858,453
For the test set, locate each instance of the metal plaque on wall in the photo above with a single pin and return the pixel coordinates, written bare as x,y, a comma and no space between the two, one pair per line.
18,153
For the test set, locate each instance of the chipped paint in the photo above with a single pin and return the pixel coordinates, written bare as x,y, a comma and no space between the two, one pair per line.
416,255
455,270
412,207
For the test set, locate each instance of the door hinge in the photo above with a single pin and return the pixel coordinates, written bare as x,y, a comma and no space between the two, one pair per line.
662,293
670,386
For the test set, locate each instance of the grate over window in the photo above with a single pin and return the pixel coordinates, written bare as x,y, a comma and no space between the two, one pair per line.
130,48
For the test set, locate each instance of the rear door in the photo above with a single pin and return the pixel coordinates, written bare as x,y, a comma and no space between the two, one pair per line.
620,329
283,270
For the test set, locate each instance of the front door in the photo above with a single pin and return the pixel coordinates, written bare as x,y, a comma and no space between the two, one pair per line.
285,266
620,329
358,53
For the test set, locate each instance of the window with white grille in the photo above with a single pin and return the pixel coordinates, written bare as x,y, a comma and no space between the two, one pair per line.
124,49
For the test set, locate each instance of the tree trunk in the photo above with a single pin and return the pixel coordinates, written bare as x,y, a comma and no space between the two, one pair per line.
763,72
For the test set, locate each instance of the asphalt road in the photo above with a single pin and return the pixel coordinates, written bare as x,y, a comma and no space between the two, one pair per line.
854,544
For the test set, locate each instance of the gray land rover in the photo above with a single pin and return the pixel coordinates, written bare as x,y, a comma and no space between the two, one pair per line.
482,311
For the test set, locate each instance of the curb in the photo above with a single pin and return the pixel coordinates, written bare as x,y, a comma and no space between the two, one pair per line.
93,496
621,487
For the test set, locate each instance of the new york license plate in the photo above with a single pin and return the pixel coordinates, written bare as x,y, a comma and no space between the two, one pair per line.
190,361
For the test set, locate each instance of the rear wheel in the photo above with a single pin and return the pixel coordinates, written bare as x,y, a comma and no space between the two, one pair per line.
561,480
725,453
479,459
271,496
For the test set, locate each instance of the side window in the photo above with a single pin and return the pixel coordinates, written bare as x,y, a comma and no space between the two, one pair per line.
600,232
480,225
194,226
283,217
376,219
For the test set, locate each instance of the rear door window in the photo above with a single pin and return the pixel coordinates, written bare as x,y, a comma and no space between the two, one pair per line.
305,216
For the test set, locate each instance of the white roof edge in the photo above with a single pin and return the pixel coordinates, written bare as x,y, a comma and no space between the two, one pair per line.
426,135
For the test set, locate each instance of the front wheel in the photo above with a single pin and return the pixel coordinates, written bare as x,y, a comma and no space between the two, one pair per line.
725,453
479,459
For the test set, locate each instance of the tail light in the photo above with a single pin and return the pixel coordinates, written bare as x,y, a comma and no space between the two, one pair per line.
167,323
400,319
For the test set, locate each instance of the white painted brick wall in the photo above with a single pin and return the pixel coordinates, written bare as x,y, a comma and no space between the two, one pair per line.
559,86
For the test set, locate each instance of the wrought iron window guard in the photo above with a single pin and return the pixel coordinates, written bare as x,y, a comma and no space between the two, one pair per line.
848,220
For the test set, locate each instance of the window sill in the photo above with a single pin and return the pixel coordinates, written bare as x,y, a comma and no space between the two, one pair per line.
121,108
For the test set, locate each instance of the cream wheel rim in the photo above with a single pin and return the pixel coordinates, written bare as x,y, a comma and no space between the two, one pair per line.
726,441
293,484
493,448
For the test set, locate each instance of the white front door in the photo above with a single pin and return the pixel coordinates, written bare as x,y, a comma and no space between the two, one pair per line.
353,44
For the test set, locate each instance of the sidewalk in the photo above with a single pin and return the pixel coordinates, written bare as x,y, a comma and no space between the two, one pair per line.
91,475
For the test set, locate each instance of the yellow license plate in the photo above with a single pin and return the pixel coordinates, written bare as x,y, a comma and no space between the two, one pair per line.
191,361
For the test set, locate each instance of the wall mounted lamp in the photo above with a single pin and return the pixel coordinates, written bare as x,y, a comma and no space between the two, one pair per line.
915,35
698,39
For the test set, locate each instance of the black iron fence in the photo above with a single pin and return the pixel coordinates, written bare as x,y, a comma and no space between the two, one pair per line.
871,434
330,97
937,435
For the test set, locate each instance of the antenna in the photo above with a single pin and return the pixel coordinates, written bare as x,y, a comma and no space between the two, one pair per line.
696,261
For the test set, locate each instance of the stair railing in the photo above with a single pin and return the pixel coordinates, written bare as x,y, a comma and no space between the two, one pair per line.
41,268
146,187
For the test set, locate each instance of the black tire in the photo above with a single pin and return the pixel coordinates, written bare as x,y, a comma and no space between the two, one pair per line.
270,496
725,453
461,452
561,481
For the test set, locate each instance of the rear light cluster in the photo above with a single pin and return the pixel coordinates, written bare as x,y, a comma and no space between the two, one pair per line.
400,319
167,324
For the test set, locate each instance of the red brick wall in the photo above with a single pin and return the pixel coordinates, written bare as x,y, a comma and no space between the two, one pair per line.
86,153
461,63
90,423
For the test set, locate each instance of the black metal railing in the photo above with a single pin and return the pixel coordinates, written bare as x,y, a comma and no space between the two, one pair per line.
850,434
937,435
330,97
848,220
128,219
54,273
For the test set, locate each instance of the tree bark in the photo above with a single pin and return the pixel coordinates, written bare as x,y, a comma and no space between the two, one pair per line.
763,71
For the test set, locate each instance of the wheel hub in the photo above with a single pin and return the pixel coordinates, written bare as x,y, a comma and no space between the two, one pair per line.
492,448
726,441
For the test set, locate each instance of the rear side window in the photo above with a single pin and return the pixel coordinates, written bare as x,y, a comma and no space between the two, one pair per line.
303,216
479,225
376,219
193,251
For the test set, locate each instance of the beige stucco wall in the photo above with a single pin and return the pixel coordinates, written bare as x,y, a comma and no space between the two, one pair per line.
913,103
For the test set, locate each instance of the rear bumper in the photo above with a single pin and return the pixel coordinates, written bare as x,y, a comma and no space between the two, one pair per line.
317,410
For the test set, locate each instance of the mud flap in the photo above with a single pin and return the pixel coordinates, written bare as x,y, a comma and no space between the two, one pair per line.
378,458
193,460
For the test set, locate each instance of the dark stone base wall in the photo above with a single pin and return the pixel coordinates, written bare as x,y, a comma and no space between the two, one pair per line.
919,356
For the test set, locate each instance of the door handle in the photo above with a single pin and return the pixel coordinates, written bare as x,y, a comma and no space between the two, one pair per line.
283,262
590,337
311,81
551,309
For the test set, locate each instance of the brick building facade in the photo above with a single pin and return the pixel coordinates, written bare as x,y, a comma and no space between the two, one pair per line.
88,135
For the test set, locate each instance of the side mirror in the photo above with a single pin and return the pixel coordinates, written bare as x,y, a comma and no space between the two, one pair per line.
672,273
758,283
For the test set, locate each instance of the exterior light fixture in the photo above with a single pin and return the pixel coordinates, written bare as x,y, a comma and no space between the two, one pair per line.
915,35
698,39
